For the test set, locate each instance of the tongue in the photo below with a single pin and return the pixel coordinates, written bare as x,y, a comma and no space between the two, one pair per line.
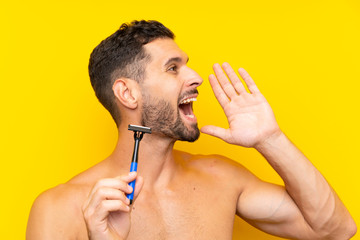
186,109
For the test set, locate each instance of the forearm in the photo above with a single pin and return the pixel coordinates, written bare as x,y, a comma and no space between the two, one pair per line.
318,203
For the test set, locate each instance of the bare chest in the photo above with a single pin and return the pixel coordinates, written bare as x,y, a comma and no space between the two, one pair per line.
194,212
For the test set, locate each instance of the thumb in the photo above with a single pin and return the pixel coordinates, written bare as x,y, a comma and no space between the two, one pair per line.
138,186
214,131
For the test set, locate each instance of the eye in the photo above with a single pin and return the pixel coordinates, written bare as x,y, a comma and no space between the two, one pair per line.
172,68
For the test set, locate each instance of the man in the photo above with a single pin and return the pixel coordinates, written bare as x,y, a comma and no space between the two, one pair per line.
141,76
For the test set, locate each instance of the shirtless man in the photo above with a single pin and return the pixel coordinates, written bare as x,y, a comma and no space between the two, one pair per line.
141,76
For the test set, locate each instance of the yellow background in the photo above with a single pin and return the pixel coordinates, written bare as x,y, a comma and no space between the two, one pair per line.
304,56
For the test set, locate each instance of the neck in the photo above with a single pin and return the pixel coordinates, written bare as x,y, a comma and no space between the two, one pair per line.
156,162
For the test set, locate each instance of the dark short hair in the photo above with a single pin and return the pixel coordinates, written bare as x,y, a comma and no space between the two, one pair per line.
122,55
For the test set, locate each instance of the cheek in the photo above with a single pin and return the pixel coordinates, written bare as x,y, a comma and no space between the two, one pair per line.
166,91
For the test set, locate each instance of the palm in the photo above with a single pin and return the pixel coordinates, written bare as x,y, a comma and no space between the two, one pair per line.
250,119
118,225
249,115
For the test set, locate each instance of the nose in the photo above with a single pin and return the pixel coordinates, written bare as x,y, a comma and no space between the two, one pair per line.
192,78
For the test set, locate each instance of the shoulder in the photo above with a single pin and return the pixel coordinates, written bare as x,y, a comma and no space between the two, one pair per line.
67,196
56,210
63,195
218,167
214,163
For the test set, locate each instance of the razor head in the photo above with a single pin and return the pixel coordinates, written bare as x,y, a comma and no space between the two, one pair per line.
136,128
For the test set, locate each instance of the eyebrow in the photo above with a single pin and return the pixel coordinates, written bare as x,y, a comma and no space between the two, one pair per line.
174,59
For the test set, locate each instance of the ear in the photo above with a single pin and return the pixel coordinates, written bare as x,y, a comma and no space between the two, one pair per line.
126,92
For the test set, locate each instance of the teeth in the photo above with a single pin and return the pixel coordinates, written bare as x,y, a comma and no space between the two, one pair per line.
188,100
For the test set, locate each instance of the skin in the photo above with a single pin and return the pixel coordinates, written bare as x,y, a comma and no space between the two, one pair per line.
184,196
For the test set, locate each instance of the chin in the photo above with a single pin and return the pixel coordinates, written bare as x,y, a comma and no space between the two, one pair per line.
190,135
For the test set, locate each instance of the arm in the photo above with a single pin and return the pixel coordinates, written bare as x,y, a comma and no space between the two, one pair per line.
307,208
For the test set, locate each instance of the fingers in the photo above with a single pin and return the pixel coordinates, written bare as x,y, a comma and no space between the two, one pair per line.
215,131
236,86
119,183
109,195
226,86
239,87
218,91
103,195
104,208
138,186
249,81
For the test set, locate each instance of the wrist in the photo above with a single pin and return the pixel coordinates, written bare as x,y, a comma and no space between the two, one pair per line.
272,140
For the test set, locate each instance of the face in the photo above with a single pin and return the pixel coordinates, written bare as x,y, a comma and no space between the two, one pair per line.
168,92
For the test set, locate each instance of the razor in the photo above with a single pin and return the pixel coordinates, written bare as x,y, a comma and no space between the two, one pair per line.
138,135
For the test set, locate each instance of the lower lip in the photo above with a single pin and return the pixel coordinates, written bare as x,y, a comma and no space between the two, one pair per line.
188,118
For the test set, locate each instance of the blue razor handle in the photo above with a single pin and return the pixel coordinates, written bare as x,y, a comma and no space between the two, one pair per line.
134,163
133,168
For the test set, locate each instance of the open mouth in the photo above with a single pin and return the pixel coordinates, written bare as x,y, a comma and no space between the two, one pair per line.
186,107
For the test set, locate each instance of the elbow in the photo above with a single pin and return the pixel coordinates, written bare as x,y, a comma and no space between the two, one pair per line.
344,231
349,228
352,229
340,226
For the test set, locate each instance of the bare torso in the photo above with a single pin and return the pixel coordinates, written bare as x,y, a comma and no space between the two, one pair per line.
198,203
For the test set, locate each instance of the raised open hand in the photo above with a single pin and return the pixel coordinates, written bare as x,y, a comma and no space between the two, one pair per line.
251,119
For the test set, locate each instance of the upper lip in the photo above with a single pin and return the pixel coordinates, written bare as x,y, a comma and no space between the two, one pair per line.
188,98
